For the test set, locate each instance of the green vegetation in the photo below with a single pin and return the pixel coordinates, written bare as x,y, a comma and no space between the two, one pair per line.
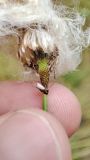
9,67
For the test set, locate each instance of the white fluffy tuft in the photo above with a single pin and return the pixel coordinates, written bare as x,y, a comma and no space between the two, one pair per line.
64,29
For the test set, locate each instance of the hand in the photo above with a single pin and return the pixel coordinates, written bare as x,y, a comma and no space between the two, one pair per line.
27,132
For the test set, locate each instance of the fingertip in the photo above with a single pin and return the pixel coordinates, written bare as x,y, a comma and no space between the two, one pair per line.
64,105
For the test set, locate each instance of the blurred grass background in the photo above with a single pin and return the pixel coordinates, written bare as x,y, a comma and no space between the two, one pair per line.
78,82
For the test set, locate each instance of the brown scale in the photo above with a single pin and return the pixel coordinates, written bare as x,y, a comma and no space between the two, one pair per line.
44,78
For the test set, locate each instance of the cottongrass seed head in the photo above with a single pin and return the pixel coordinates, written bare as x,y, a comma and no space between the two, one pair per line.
56,30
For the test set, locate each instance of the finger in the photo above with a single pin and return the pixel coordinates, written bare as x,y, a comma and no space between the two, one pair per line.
64,105
16,95
35,135
61,102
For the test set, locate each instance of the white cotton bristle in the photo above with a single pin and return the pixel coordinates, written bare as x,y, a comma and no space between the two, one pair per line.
64,29
39,38
40,86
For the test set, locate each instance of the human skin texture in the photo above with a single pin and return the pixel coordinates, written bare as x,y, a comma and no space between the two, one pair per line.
27,132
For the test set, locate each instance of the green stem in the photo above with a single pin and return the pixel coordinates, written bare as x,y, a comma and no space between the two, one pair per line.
45,104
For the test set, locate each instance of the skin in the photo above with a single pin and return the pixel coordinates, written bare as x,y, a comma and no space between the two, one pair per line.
27,132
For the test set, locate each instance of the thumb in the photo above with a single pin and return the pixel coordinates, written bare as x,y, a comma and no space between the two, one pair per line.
33,134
